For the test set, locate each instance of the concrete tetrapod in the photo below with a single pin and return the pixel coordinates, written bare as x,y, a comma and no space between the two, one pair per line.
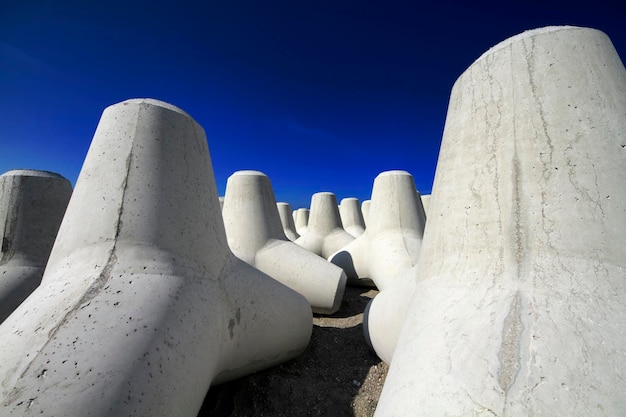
351,216
387,254
139,313
255,235
286,219
391,243
32,204
302,220
325,234
520,303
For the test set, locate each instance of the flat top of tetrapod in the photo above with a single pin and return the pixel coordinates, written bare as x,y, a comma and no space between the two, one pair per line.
31,173
526,34
250,172
153,102
394,172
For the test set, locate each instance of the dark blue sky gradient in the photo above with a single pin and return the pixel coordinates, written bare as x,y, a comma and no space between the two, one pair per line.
320,95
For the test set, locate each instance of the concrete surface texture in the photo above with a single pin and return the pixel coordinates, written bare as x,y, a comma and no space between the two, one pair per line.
32,204
139,313
351,216
302,220
287,220
365,209
520,303
255,235
325,234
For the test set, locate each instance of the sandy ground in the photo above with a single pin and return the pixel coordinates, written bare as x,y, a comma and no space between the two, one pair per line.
338,375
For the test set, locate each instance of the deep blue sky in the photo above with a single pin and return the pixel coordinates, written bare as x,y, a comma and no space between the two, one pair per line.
320,95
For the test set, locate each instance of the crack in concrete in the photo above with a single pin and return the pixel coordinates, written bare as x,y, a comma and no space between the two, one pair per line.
518,241
531,67
509,354
93,290
483,408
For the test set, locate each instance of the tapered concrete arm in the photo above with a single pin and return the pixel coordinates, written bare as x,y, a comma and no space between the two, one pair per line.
287,220
320,282
32,204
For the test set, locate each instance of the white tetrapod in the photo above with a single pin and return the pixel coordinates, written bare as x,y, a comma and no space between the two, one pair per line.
325,234
255,235
351,216
302,220
387,255
143,306
520,304
286,219
391,243
32,204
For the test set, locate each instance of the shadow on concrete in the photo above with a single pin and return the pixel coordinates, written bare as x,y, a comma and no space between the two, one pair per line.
323,381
